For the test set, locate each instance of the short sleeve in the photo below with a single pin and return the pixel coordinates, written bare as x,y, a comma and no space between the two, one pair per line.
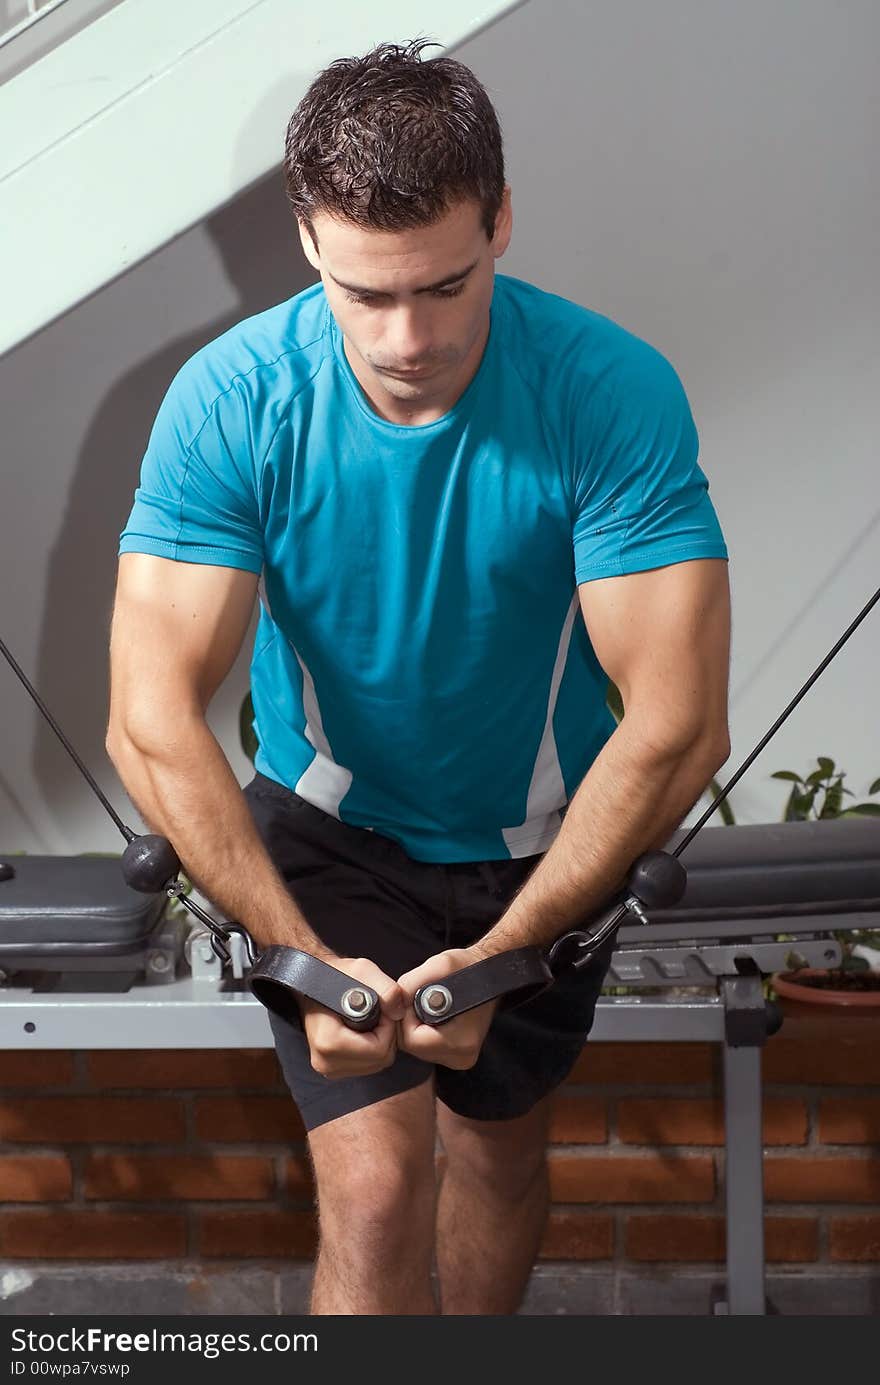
640,498
197,500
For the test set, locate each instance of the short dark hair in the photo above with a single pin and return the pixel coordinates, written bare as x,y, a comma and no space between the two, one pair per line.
390,141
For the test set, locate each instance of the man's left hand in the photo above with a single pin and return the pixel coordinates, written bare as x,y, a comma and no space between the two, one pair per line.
457,1042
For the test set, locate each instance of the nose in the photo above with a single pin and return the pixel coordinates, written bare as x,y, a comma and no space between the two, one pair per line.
409,341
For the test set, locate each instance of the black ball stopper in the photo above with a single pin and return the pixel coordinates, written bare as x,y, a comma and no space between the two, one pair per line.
658,879
149,863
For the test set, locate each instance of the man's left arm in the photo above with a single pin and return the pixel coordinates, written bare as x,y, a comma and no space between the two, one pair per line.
663,637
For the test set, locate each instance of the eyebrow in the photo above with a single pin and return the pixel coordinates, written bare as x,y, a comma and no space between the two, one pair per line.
429,288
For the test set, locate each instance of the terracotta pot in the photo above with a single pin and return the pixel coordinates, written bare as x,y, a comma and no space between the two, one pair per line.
789,985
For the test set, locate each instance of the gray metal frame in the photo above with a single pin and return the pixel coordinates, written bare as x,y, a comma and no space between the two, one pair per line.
203,1008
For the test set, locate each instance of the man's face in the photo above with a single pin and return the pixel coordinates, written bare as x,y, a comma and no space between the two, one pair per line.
412,305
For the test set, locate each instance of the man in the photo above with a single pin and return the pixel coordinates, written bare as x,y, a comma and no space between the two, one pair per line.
469,503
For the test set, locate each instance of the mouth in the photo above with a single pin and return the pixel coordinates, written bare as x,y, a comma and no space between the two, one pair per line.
408,374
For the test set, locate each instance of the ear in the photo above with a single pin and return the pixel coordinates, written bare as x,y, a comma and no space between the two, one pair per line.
503,225
308,245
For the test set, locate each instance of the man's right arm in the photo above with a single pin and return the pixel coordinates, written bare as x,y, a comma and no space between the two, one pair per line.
177,628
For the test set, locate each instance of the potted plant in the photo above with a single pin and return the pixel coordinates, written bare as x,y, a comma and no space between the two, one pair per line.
821,794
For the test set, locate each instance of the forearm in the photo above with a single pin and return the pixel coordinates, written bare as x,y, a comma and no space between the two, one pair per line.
630,801
187,792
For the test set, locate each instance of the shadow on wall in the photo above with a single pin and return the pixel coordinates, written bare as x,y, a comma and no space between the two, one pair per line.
256,237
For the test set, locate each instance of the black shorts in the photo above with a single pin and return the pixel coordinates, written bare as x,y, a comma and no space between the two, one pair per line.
365,897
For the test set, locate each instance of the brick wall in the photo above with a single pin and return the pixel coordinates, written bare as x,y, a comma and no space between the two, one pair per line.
144,1156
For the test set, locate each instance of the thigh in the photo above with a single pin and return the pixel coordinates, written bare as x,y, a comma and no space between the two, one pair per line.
376,1188
530,1048
375,1157
321,1099
505,1155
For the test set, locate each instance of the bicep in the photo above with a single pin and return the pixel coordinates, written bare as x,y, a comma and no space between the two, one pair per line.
663,637
176,631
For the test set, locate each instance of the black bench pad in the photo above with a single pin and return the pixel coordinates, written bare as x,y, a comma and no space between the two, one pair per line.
68,905
764,870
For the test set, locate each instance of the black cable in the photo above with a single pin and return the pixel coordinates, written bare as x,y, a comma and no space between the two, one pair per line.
127,833
776,725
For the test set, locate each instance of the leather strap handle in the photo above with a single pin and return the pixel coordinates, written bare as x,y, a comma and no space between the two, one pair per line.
515,976
280,974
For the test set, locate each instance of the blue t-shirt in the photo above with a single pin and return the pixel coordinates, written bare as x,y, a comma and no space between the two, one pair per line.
421,667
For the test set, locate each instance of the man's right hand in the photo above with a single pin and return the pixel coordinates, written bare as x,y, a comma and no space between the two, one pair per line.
336,1050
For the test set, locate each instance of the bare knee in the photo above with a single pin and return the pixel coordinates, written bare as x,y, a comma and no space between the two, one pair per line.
378,1196
376,1187
506,1158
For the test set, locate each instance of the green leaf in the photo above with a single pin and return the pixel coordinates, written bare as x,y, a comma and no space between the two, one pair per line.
825,765
726,812
794,961
816,778
614,701
249,743
851,963
875,787
862,810
787,774
724,809
799,805
833,801
806,801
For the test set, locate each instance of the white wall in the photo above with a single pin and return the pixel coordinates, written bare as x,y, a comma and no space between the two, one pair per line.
148,118
703,172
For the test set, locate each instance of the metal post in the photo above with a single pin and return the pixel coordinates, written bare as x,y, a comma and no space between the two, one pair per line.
744,1171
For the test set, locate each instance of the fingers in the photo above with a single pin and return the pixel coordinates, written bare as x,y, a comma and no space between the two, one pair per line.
457,1043
443,964
393,999
336,1050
